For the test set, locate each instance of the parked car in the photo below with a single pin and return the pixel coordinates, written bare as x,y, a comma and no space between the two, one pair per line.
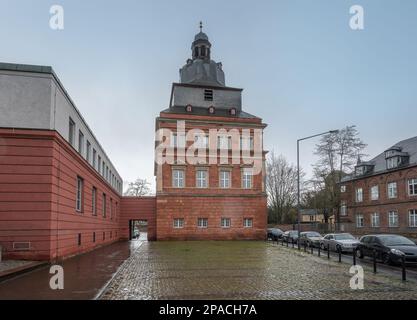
310,238
274,234
344,242
389,248
290,236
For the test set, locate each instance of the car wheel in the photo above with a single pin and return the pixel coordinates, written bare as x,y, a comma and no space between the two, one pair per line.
322,246
386,259
359,253
338,248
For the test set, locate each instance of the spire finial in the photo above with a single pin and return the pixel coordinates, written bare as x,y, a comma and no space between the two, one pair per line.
201,26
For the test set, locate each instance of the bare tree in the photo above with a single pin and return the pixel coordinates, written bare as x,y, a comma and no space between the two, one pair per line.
281,187
337,154
139,188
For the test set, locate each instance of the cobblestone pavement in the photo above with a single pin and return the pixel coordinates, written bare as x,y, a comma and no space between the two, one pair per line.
242,270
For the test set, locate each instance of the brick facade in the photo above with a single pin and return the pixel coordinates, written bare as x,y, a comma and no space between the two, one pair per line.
383,205
212,203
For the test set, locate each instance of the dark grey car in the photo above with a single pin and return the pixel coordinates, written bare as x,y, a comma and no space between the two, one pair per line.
290,236
389,248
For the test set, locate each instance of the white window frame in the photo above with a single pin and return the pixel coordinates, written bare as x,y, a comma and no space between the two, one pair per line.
225,223
177,141
202,223
247,179
225,179
343,208
360,220
392,190
248,222
79,195
80,142
393,219
224,142
412,187
375,193
94,162
178,178
375,220
88,152
201,177
71,131
201,141
412,218
359,194
342,189
178,223
246,143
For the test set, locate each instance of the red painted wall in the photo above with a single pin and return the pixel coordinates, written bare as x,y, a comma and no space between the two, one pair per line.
134,208
38,172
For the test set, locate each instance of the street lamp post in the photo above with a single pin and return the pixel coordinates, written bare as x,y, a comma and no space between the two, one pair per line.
298,178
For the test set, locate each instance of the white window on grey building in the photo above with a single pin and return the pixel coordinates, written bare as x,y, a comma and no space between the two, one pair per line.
178,178
412,218
248,222
412,187
103,169
225,223
375,193
80,142
225,179
94,158
392,190
359,195
79,195
360,222
99,164
201,178
246,178
375,220
88,152
202,222
71,132
178,223
393,219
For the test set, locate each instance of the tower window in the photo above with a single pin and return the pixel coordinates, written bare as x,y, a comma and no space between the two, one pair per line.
208,95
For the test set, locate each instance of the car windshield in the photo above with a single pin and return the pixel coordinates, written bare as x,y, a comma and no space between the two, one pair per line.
313,234
396,241
344,237
293,233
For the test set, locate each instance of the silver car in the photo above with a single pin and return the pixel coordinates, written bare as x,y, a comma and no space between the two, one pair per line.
344,242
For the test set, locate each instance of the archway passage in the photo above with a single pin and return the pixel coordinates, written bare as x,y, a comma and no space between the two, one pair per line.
138,230
138,214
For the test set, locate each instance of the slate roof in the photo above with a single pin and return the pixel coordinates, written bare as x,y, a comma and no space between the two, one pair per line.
407,147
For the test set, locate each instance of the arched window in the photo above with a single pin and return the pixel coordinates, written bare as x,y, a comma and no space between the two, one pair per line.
203,51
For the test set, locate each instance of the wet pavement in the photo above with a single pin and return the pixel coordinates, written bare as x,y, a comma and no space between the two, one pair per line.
84,275
243,270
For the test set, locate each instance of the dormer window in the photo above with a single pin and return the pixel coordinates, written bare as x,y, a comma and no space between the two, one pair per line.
189,108
211,110
208,95
359,171
232,111
393,162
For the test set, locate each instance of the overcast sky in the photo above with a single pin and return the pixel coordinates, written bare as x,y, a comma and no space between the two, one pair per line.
303,69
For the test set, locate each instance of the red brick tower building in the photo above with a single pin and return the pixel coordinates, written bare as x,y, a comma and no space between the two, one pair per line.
219,194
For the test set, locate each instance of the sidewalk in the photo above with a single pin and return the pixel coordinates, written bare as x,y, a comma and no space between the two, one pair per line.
10,268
